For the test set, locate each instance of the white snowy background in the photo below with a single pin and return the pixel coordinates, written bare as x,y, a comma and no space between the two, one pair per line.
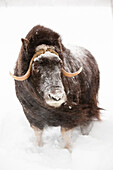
90,27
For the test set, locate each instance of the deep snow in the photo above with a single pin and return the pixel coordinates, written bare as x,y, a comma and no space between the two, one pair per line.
85,26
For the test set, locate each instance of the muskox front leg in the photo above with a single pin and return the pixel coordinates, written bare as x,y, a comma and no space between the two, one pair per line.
86,128
38,134
67,137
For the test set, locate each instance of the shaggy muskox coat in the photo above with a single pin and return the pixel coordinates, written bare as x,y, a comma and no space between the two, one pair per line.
82,90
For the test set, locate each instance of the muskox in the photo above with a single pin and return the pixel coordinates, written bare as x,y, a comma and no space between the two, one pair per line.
54,86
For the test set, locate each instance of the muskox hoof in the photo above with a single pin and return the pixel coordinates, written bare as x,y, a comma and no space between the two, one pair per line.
38,135
69,147
67,137
85,129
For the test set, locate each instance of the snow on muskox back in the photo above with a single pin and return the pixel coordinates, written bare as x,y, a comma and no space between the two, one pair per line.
54,86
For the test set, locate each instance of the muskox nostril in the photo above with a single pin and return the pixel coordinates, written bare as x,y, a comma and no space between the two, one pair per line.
56,98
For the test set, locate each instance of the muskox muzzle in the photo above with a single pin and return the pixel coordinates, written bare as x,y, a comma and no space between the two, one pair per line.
55,97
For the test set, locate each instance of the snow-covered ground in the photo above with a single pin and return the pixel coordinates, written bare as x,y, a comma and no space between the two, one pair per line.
85,26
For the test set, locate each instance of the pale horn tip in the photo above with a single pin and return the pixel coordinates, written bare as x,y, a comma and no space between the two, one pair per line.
10,74
80,69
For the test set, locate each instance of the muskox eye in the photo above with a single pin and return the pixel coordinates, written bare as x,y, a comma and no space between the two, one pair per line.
35,67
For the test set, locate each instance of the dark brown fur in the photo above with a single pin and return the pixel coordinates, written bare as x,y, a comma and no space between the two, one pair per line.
81,91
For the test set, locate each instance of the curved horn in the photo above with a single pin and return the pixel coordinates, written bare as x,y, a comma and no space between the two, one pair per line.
65,73
24,77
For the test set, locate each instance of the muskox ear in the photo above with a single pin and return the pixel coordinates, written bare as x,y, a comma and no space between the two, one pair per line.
25,43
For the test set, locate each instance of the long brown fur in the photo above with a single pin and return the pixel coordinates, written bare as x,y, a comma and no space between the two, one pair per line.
82,91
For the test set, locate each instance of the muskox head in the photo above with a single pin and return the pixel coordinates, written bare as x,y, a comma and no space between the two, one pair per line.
46,75
45,72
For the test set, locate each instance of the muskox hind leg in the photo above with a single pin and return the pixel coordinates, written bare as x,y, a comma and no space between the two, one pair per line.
38,134
67,137
86,128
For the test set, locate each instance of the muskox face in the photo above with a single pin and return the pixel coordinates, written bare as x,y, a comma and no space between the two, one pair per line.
46,75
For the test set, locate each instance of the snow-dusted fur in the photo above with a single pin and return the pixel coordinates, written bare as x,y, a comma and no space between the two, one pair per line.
81,91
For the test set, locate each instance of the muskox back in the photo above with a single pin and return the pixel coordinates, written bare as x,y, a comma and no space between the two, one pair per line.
82,91
84,87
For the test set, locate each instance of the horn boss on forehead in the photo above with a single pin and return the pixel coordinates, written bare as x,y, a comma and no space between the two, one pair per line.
42,51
